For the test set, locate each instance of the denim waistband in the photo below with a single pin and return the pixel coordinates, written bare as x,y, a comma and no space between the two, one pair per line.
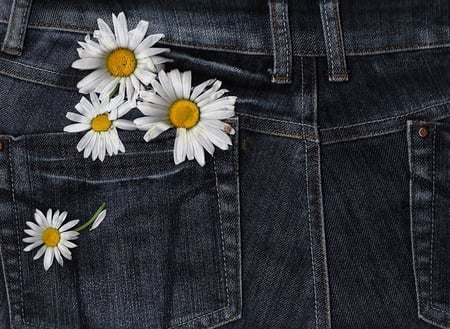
368,27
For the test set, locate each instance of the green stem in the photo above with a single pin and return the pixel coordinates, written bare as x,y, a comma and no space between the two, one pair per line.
93,218
114,91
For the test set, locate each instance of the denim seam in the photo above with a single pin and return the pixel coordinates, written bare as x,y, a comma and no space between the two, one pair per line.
223,259
330,48
287,48
221,232
338,35
307,199
389,118
274,120
33,80
37,68
5,276
300,52
16,219
321,236
433,214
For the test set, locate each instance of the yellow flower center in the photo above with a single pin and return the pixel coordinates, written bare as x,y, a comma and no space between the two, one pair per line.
121,62
51,237
101,123
184,114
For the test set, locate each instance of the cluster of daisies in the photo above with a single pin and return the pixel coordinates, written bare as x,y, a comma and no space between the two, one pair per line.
128,72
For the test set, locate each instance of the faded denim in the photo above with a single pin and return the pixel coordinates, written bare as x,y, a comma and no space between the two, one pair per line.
330,211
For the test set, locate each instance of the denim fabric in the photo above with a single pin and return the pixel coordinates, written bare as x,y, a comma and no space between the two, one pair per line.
330,211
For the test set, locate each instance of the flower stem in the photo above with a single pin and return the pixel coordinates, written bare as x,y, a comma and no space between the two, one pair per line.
93,218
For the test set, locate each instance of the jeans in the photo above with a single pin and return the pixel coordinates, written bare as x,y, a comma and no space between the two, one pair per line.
330,210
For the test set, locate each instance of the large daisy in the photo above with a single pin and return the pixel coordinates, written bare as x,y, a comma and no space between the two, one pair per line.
53,238
122,58
101,121
197,114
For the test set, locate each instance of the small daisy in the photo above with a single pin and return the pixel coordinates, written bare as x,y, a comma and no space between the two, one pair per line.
54,239
123,57
196,114
101,120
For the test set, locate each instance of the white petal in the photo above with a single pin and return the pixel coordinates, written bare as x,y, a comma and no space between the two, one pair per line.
125,124
180,148
77,127
199,89
217,115
40,218
109,144
218,104
60,220
162,92
216,85
70,235
148,42
136,36
90,82
107,90
58,256
32,239
65,251
120,30
35,227
55,217
156,130
153,109
68,225
102,147
166,83
68,244
89,63
40,252
98,220
84,141
145,76
150,52
77,117
33,233
199,154
49,217
176,82
48,258
33,245
186,78
90,146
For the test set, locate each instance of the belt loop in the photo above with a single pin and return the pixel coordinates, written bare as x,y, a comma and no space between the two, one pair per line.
282,46
334,44
17,25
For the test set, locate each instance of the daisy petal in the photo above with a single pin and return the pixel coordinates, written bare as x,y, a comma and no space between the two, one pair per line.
40,252
48,258
136,36
68,225
156,130
120,30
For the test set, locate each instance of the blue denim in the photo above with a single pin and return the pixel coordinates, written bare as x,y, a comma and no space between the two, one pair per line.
330,210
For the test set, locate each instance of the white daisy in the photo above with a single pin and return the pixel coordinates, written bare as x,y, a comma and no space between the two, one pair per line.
123,57
101,120
54,239
196,114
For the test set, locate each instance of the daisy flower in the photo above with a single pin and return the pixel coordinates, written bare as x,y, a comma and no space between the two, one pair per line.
101,121
196,114
54,240
123,57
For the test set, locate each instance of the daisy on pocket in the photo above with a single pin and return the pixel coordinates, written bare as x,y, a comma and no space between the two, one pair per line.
123,58
197,114
101,120
55,239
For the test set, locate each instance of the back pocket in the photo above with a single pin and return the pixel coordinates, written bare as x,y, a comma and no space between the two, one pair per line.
166,256
429,159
